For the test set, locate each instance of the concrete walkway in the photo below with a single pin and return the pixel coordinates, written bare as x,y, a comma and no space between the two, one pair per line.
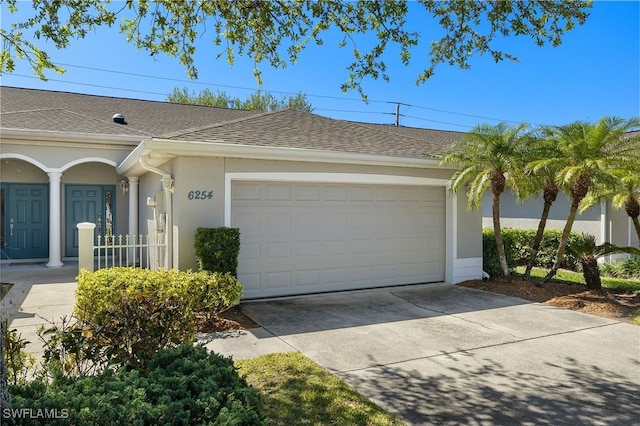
435,354
39,296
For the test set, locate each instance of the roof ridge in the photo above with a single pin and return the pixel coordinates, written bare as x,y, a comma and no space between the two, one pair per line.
219,124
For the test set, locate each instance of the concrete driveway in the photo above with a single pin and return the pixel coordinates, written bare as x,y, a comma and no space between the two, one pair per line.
442,354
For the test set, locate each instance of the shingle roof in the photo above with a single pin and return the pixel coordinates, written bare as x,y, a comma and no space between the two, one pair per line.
298,129
79,113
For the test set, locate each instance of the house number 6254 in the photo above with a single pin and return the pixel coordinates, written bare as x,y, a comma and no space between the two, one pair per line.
200,195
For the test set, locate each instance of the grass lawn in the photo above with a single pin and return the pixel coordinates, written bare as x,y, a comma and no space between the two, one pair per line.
296,391
578,278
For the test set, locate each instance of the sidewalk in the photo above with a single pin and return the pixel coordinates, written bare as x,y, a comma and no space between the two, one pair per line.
39,296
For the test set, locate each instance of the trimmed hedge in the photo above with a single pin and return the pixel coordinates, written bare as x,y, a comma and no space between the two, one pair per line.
125,315
181,386
217,249
490,258
518,244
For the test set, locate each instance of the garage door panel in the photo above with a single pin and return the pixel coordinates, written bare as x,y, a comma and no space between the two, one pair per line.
308,237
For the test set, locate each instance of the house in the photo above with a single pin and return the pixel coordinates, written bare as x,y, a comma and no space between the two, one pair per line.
321,204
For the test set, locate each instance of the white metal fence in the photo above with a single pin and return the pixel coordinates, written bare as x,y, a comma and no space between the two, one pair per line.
124,250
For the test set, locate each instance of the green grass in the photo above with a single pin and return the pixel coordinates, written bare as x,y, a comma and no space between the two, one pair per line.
577,278
296,391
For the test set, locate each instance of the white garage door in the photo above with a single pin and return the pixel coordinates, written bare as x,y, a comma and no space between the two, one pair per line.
313,237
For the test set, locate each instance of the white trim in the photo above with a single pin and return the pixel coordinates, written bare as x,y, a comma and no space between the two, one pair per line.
65,137
466,269
373,179
88,160
162,150
27,159
15,156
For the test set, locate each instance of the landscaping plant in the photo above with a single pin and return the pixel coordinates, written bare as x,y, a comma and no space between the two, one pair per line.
588,252
125,315
185,385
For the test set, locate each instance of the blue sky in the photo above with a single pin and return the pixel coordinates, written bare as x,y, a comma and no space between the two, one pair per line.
593,73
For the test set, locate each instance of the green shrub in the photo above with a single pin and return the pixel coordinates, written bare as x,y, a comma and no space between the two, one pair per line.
217,249
181,386
490,258
125,315
627,268
521,240
18,362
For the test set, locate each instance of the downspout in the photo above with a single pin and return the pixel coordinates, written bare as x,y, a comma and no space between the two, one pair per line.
167,185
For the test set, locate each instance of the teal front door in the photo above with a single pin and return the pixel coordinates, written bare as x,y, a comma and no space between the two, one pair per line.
24,217
87,203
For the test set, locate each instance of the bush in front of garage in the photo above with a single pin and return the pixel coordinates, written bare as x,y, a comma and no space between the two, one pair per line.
125,315
180,386
217,249
518,244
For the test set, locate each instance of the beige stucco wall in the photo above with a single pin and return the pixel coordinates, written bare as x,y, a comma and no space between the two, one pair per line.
208,174
13,170
469,237
526,215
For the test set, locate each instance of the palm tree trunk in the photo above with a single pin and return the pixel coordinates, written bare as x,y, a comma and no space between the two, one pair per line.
563,240
497,230
536,242
591,273
636,224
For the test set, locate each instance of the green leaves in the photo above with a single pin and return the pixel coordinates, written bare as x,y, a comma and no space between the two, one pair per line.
275,32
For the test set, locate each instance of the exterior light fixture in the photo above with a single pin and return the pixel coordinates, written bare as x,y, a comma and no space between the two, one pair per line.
124,185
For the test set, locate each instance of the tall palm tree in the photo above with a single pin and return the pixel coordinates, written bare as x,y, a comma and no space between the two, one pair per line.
542,145
588,153
489,156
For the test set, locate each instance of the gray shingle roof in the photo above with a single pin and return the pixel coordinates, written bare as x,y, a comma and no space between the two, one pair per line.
297,129
79,113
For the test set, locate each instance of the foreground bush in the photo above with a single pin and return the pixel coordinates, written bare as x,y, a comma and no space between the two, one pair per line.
180,386
125,315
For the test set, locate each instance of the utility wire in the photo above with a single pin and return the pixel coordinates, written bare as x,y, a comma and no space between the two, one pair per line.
191,82
280,92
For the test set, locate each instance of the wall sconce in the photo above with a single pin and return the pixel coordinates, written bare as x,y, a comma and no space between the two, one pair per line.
124,185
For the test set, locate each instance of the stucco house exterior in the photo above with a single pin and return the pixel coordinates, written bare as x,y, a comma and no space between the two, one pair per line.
321,204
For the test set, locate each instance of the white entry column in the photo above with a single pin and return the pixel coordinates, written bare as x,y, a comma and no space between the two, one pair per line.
133,214
55,240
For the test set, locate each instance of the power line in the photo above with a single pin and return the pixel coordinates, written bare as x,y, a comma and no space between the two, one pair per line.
191,82
277,91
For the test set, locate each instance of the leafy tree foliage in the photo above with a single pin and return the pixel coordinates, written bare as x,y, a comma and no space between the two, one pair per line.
257,101
276,32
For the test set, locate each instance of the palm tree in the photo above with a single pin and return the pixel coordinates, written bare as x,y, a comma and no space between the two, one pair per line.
623,194
544,181
588,153
585,249
489,156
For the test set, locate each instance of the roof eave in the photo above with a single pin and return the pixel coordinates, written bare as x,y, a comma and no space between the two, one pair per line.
66,137
162,150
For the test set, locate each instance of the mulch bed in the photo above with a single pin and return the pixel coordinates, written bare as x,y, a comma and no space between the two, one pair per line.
609,303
